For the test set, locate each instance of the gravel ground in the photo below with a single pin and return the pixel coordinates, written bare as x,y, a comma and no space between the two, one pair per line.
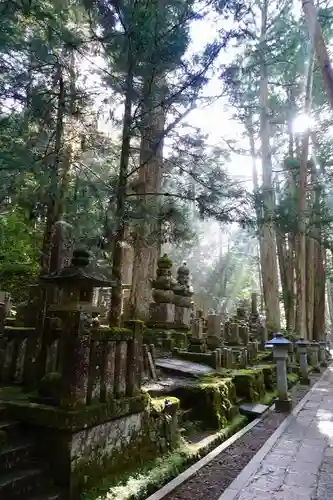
211,481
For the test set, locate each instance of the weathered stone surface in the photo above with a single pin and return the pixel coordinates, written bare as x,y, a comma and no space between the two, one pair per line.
299,464
180,366
253,409
162,313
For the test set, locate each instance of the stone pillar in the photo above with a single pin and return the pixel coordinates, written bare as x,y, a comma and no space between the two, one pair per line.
234,334
322,353
252,349
182,316
244,334
214,325
227,358
302,347
314,351
254,303
76,353
280,353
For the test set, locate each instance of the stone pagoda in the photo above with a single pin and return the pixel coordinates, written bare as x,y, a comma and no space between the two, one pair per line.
162,310
183,292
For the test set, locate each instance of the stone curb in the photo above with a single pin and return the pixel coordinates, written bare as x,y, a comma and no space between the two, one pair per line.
184,476
238,484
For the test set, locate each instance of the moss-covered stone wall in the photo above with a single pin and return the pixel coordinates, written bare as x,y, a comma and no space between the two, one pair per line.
250,384
212,400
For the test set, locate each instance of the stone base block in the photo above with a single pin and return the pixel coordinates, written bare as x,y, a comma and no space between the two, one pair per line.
283,406
316,369
324,364
304,381
213,342
85,445
161,313
197,345
183,316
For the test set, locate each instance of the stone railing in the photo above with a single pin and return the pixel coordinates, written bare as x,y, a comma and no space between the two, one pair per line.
110,365
115,365
18,349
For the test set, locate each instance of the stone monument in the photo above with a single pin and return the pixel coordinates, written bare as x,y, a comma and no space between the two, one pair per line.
162,310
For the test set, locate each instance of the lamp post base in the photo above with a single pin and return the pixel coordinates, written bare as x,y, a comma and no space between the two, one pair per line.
283,406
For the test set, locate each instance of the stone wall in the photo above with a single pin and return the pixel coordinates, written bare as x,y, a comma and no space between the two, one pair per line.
84,446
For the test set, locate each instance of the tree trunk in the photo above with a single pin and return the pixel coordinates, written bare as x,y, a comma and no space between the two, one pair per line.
269,261
319,45
304,266
116,297
319,268
49,262
330,304
148,238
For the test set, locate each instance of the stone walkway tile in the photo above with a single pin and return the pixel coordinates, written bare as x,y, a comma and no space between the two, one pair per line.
308,480
328,451
312,444
297,463
267,482
276,460
298,467
292,493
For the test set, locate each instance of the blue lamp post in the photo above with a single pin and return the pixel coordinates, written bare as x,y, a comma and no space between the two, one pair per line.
280,347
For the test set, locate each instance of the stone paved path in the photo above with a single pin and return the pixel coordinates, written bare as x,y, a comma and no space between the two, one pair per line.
296,463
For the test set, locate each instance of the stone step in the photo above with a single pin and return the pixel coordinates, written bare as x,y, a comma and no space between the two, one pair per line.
22,483
15,456
254,410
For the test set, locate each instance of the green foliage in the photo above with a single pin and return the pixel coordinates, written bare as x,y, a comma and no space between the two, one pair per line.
18,254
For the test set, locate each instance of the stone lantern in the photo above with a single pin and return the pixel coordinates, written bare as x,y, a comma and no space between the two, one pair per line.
322,353
280,347
302,347
76,284
314,352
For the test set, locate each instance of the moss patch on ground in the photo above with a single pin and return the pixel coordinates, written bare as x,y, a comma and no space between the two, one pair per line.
156,473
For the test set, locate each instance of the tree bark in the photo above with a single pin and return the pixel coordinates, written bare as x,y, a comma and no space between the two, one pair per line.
117,261
319,45
304,266
269,260
49,262
148,239
319,269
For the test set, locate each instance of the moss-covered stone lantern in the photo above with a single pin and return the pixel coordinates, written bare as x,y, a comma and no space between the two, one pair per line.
76,284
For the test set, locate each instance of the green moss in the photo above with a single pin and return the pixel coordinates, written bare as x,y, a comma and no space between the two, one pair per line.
268,398
164,262
80,418
293,378
113,333
158,404
212,401
154,474
249,384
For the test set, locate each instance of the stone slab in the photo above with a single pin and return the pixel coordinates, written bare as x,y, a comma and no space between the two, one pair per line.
185,367
253,409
